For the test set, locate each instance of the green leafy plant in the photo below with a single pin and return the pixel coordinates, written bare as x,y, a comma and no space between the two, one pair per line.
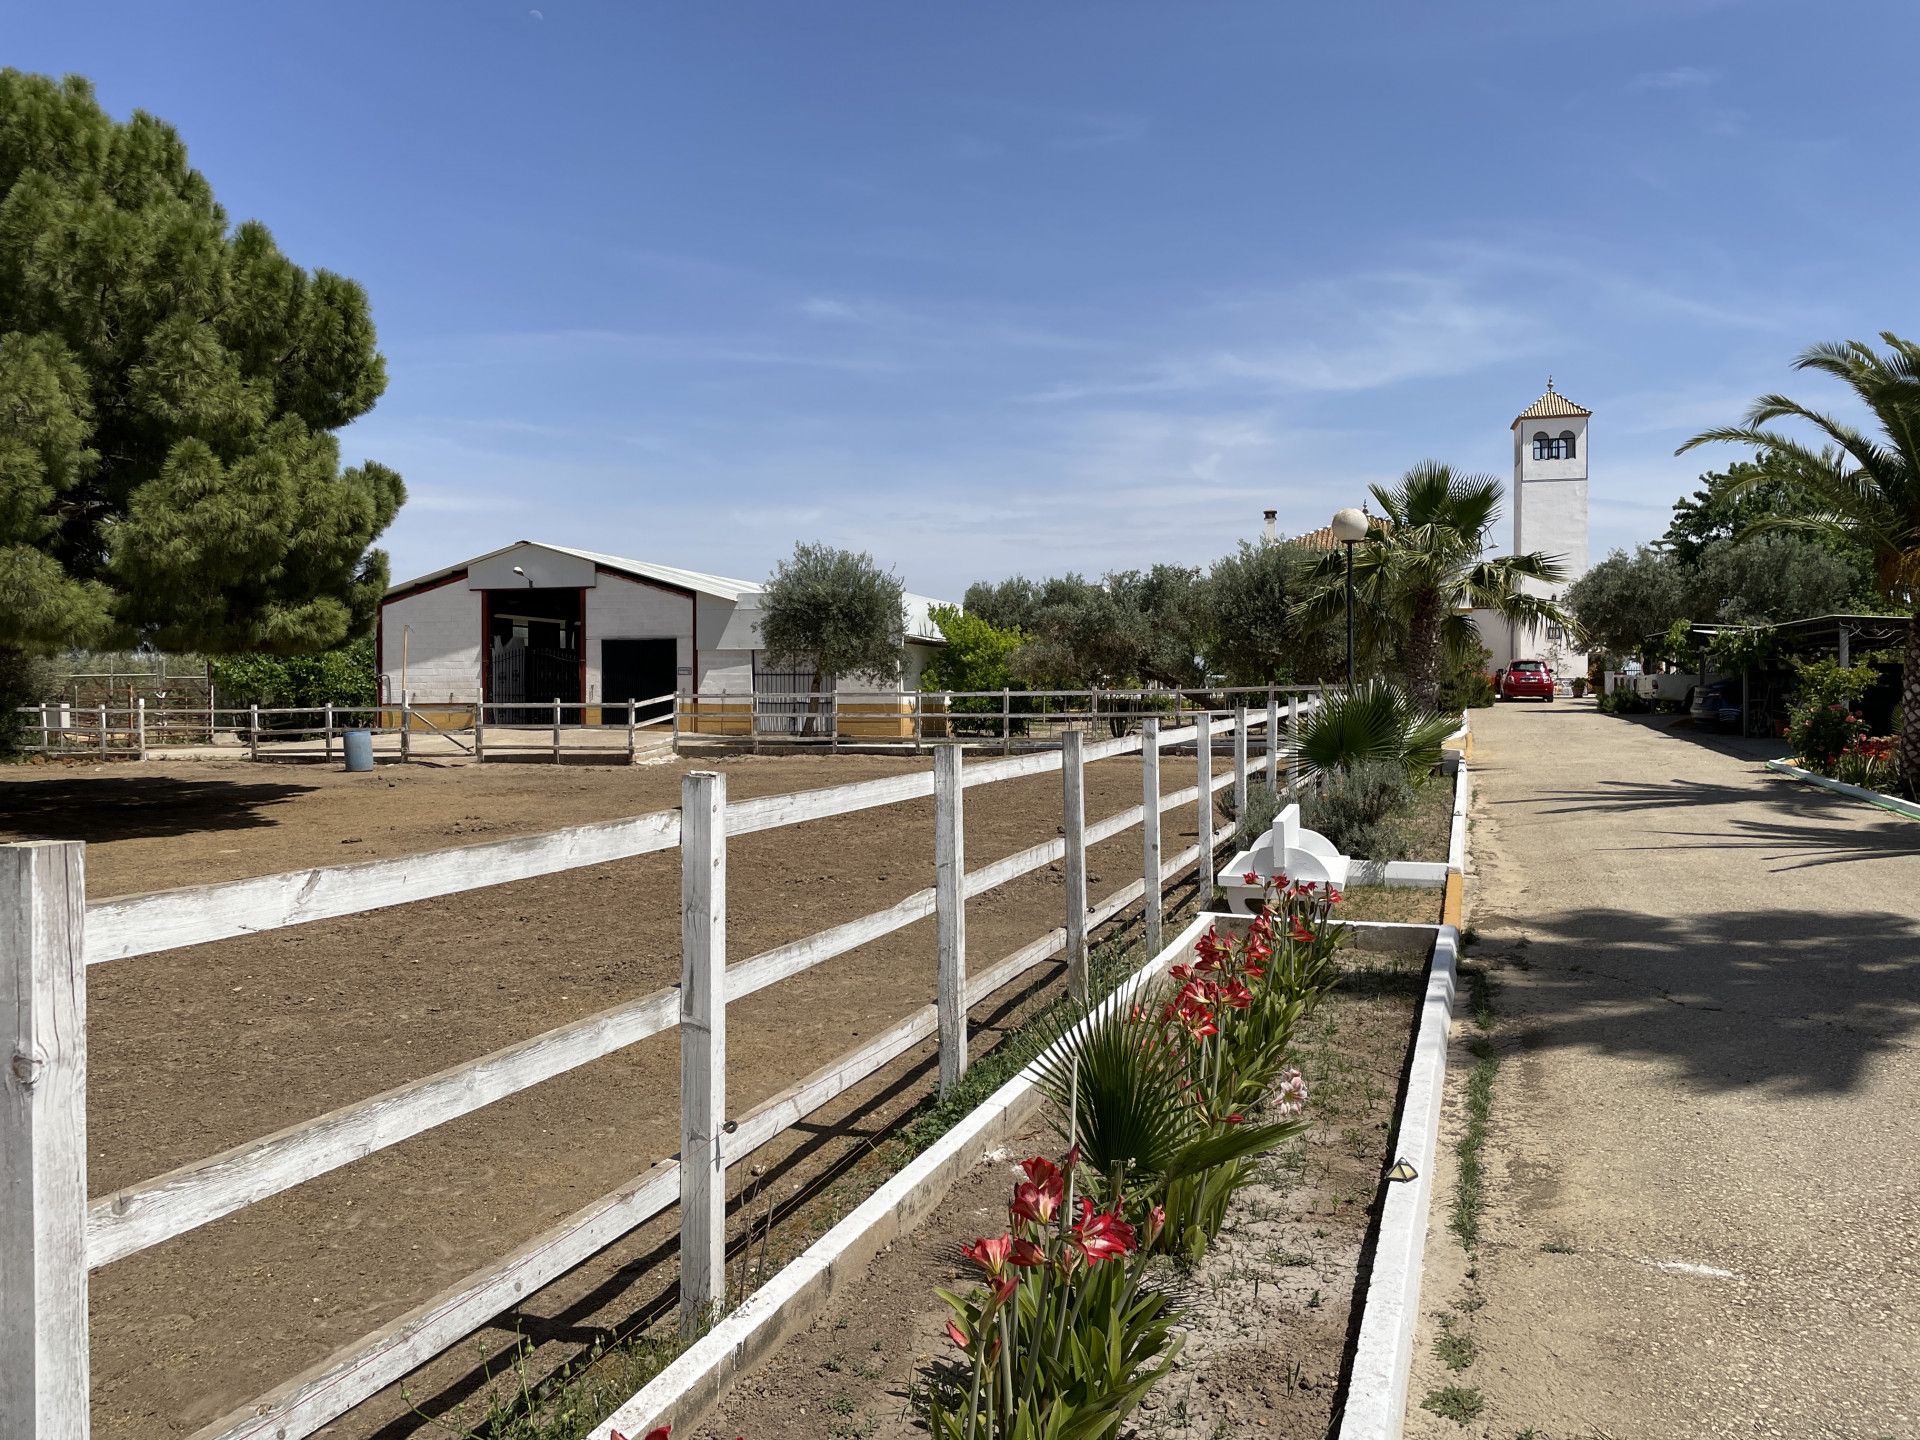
1063,1339
347,677
978,655
1263,805
1821,725
1361,808
1375,722
1164,1097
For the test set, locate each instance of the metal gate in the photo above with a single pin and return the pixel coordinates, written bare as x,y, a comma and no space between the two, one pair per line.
784,703
537,677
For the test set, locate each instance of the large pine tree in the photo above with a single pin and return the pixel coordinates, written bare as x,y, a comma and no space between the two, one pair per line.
169,389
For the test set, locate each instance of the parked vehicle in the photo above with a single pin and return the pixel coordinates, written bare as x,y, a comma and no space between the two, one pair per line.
1530,679
1717,702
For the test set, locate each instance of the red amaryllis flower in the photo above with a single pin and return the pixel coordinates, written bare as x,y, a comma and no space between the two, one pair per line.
1038,1203
659,1432
1333,896
1027,1255
957,1335
1156,1223
990,1255
1101,1234
1041,1171
1238,995
1252,877
1301,934
1211,948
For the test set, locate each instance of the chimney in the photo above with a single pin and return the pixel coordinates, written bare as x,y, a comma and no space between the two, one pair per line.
1271,516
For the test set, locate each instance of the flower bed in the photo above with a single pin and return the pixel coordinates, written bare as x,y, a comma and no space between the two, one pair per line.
1245,1214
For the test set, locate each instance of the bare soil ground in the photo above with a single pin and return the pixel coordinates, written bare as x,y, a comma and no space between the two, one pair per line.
194,1050
1267,1313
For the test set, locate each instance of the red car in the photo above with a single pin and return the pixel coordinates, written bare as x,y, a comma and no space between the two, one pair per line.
1526,678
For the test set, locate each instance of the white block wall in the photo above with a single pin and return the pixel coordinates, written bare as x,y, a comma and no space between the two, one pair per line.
623,609
443,653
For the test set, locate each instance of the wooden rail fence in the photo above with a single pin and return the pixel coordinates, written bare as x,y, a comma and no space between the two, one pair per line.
914,720
52,1235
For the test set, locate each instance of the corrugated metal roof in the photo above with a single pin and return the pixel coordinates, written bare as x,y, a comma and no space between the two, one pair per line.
920,624
1549,406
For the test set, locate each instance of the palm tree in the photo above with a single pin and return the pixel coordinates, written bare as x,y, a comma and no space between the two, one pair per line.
1423,569
1865,488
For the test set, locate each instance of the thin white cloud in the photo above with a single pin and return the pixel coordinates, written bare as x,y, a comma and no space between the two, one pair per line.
1678,77
1361,333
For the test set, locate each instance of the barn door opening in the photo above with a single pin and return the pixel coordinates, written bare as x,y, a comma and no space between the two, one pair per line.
535,641
637,670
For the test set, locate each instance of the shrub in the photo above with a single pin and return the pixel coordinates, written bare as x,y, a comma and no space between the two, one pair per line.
24,680
1361,810
1376,722
1263,804
1821,724
348,676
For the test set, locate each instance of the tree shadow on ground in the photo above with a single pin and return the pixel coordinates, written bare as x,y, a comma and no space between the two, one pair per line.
1815,828
136,807
1805,1001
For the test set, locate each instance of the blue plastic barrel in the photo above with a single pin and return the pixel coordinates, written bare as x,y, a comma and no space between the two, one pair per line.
358,748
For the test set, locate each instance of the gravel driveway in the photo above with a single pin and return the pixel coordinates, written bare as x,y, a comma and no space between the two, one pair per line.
1703,1159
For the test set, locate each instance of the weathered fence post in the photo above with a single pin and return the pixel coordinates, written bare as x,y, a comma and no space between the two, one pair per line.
480,729
556,729
919,719
1093,711
43,1141
140,726
45,741
253,732
1273,740
1239,766
103,731
703,1047
631,716
1150,829
950,909
1006,722
1073,825
1203,807
676,720
406,727
327,742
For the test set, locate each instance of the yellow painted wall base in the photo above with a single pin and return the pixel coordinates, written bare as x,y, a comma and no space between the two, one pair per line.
1453,905
428,718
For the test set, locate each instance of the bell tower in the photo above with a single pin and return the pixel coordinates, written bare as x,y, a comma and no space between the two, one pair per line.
1550,510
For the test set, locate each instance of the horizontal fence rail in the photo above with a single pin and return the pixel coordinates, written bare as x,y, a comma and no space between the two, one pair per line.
62,1234
412,727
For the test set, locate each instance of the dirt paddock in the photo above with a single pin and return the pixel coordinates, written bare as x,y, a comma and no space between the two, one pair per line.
194,1050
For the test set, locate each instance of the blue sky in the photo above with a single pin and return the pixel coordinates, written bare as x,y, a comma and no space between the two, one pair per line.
998,287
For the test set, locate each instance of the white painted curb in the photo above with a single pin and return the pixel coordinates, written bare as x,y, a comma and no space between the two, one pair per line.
682,1392
1390,1314
1840,787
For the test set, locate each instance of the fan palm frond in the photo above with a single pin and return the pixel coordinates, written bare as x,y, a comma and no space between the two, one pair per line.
1373,723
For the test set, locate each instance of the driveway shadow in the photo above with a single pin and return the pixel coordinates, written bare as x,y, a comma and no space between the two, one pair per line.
136,806
1800,999
1806,826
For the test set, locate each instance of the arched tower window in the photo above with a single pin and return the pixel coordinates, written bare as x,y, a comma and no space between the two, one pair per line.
1546,447
1565,443
1542,446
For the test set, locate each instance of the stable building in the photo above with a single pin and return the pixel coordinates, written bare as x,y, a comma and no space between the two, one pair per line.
534,623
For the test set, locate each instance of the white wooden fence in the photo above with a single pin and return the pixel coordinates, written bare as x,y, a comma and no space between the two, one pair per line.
52,1234
1010,720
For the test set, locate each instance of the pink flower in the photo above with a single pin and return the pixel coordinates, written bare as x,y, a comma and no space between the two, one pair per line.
1292,1098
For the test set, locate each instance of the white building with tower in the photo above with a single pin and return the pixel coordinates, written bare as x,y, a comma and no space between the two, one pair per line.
1549,505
